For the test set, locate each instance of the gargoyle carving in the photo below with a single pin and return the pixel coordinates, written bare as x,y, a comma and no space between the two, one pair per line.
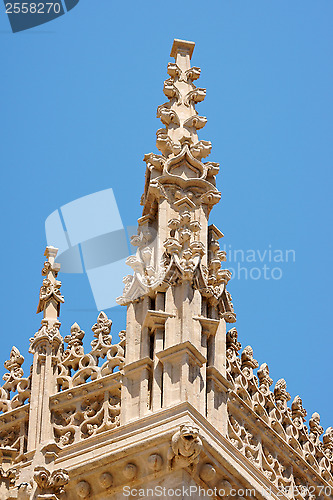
186,446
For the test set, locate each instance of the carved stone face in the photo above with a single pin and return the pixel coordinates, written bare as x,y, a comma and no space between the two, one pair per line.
188,432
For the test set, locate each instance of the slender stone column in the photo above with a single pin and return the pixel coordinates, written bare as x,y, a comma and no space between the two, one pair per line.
45,347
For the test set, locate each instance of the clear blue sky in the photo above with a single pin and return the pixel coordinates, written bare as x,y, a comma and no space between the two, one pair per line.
79,98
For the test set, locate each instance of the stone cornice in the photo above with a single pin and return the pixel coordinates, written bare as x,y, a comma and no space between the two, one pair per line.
156,430
209,326
156,319
218,378
171,354
133,368
80,391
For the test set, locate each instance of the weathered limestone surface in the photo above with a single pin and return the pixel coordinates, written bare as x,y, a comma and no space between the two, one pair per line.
173,404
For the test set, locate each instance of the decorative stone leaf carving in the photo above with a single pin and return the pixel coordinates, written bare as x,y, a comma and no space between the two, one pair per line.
76,367
265,380
14,383
316,430
48,482
298,412
280,394
10,475
49,291
233,346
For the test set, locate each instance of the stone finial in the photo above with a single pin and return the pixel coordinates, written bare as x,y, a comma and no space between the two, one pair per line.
101,330
281,395
179,116
298,413
74,340
265,380
247,359
328,442
102,326
13,365
316,430
169,176
233,346
50,296
14,382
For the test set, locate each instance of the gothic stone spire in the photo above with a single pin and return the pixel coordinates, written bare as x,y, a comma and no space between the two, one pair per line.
174,241
177,302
